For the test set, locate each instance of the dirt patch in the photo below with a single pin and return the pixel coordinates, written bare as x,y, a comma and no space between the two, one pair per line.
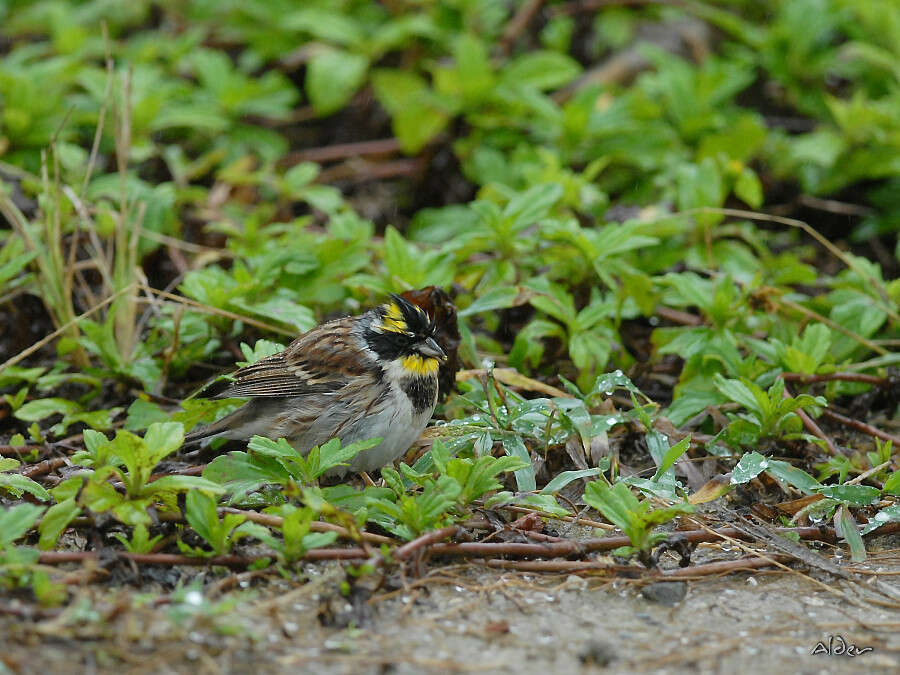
467,618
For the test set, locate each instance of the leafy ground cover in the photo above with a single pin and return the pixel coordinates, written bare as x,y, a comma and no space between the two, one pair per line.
669,230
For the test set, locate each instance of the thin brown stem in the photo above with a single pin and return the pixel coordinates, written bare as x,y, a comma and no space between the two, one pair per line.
862,426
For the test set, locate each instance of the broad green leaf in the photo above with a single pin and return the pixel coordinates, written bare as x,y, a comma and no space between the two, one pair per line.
892,484
748,188
279,448
241,473
498,298
616,503
514,447
162,439
562,479
15,521
55,520
748,467
42,408
854,495
17,484
793,475
541,69
332,77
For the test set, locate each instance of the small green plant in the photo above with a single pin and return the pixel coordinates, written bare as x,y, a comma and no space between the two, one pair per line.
770,413
635,518
412,514
296,537
220,534
131,459
18,563
140,540
277,463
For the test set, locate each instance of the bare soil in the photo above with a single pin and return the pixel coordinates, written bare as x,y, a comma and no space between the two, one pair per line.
467,618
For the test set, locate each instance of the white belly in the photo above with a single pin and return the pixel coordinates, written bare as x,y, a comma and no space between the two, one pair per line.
396,422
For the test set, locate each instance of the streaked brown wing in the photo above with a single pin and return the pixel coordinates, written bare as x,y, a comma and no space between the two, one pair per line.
322,360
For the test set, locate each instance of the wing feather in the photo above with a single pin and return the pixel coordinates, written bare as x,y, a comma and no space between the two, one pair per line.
323,360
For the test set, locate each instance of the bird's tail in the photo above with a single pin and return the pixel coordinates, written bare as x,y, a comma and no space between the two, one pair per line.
217,429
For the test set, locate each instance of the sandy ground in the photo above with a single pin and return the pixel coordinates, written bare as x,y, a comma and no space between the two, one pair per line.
466,618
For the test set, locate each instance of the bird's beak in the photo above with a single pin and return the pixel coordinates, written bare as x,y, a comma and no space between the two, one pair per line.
429,348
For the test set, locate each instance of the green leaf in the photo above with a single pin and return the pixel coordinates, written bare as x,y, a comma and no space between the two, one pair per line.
531,206
616,503
55,521
700,185
793,476
849,532
749,467
240,473
498,298
141,414
853,495
737,391
561,480
332,77
279,448
671,456
541,69
162,439
892,484
333,454
514,447
16,521
184,484
418,114
748,188
42,408
890,514
17,484
261,349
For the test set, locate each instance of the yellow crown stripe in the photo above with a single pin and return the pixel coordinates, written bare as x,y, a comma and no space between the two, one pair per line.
419,365
393,319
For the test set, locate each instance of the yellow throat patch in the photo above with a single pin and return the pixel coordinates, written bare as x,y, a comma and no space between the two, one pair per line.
419,365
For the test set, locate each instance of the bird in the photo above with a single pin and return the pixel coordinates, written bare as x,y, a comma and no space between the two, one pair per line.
374,375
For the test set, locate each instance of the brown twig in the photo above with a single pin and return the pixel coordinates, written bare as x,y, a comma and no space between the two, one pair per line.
331,153
568,566
43,468
575,566
519,23
562,549
812,427
360,171
862,426
426,540
578,520
725,566
18,450
58,557
679,317
315,526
